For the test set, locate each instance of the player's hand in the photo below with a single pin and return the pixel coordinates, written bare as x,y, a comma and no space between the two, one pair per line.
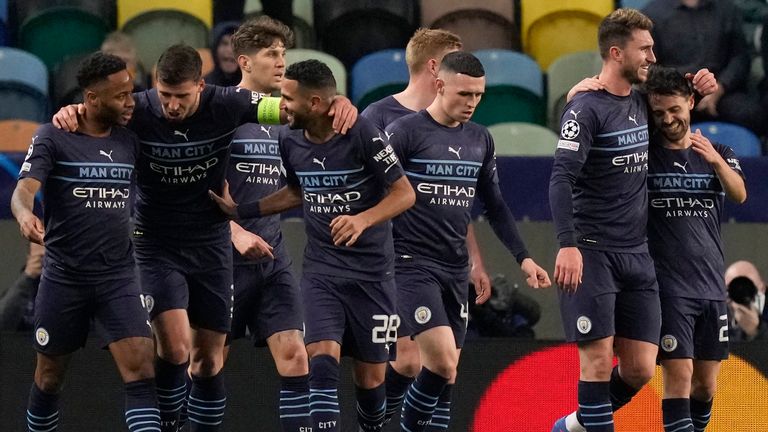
535,276
703,81
482,284
251,245
225,201
346,229
344,114
746,318
701,145
32,228
568,269
587,84
708,104
67,117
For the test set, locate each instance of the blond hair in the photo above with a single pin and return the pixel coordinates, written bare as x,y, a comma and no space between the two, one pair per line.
428,44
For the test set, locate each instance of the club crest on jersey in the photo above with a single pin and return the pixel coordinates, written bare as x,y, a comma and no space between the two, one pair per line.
668,343
570,129
42,336
583,324
148,302
422,315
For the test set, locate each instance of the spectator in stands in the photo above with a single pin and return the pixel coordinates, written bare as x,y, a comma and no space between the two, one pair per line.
225,72
121,45
745,324
16,304
747,269
694,34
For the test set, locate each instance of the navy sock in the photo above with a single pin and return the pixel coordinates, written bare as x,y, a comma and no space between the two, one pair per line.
42,410
294,403
442,416
396,385
141,412
183,415
595,408
677,415
206,403
171,392
421,400
324,393
371,404
701,412
621,392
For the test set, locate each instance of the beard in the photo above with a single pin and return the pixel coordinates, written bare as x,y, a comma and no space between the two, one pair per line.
676,131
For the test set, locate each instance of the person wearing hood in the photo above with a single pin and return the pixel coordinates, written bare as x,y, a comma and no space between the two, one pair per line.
226,72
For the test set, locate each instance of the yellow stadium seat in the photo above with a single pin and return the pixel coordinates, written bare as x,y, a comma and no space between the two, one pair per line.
128,9
17,135
552,28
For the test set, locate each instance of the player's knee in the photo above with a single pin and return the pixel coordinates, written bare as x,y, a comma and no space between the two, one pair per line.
176,353
292,359
598,369
206,365
445,366
704,389
638,375
408,367
49,381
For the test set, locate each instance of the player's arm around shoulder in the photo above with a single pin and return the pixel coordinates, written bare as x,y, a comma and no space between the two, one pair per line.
727,167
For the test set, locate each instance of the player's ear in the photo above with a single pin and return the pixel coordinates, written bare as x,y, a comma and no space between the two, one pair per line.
691,102
616,53
91,97
433,67
244,63
201,85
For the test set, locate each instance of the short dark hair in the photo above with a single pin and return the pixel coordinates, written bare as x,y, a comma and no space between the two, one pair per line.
260,33
667,81
462,62
97,67
179,63
312,74
616,29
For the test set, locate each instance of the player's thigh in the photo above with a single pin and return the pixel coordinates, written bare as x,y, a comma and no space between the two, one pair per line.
173,335
678,321
704,382
420,303
279,306
161,276
62,316
325,316
638,307
372,321
711,331
134,357
120,312
677,374
246,283
596,359
438,351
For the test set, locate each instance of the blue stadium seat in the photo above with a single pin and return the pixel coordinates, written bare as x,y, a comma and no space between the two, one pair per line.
23,86
504,67
742,140
4,11
350,29
634,4
3,34
378,69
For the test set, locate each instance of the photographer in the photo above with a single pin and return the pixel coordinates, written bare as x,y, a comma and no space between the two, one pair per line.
508,313
745,324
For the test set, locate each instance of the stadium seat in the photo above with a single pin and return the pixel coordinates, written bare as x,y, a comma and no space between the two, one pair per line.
57,33
303,21
382,68
17,135
562,74
509,97
742,140
130,9
350,29
523,139
65,88
156,30
552,28
3,22
481,25
23,86
299,54
106,10
634,4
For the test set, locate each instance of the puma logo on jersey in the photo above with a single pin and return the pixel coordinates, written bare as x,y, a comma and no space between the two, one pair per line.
378,138
633,119
180,133
267,131
389,135
682,167
575,114
319,162
109,155
453,150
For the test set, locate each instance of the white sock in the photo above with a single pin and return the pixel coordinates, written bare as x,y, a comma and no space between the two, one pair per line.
572,423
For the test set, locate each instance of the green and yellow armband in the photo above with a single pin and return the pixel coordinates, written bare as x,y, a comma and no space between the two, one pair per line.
268,111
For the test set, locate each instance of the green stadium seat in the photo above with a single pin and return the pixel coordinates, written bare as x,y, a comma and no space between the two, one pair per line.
299,54
57,33
562,74
156,30
523,139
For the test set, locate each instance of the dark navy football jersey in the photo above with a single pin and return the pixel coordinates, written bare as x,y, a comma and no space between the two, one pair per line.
181,161
344,176
447,167
385,111
686,203
86,195
597,190
255,172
